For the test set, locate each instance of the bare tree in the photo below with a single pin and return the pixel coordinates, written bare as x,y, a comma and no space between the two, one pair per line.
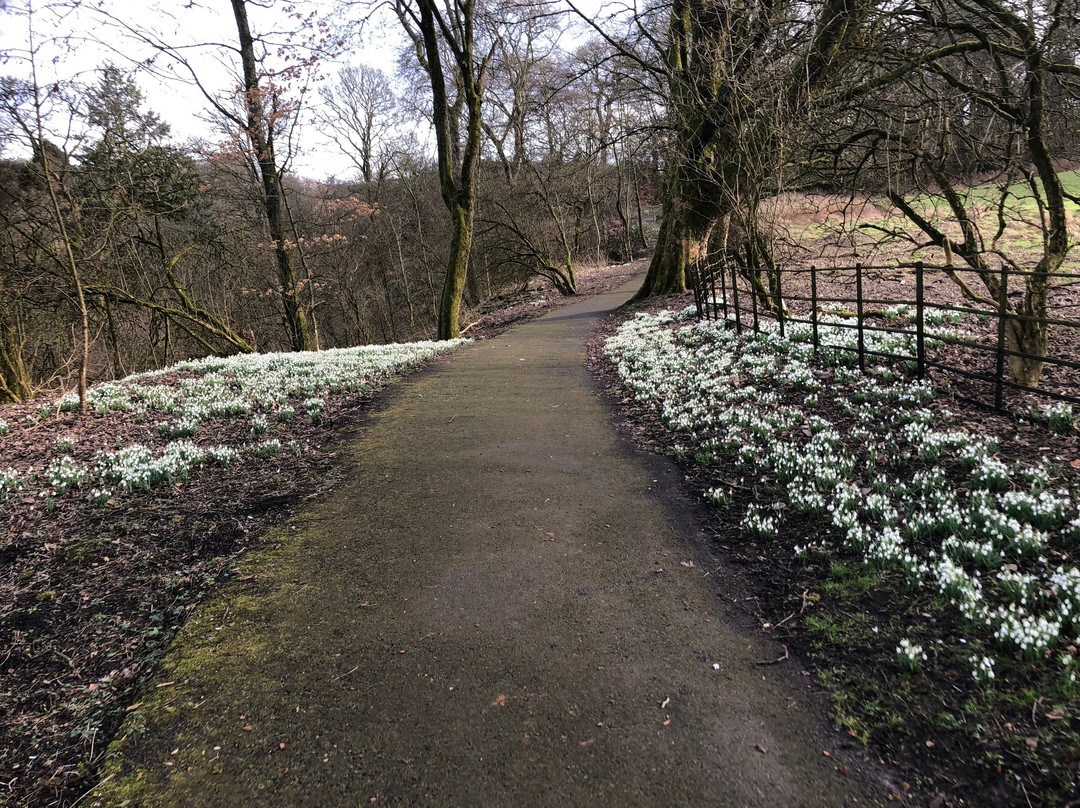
734,77
263,117
432,26
51,163
951,116
359,112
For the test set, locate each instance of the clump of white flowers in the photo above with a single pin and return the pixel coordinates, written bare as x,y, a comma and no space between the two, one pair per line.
222,455
910,656
1060,417
64,473
183,427
246,385
877,485
315,407
982,669
720,497
10,483
268,448
758,522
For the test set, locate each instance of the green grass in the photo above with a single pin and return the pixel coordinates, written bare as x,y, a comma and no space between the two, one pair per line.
1022,234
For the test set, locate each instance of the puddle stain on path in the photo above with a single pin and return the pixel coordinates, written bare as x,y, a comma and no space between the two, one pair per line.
491,611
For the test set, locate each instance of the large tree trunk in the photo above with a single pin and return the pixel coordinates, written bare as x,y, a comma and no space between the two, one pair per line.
457,169
683,242
260,132
670,261
15,382
456,269
1028,338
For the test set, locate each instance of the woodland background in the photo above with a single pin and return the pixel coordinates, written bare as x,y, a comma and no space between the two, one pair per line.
509,143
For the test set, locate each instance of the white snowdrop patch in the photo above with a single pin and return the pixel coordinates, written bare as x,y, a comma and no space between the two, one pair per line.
262,388
883,489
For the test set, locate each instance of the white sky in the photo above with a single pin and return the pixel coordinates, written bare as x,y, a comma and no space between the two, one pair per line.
179,104
93,44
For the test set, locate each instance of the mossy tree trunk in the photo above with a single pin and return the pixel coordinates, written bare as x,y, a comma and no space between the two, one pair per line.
733,93
260,128
430,26
15,384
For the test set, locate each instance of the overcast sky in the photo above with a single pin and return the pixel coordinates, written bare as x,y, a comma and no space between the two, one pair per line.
93,43
88,42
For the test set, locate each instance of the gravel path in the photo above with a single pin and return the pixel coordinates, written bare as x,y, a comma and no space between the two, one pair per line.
505,605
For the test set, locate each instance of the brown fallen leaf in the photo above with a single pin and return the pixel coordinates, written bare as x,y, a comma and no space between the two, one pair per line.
1055,715
667,720
134,706
761,749
665,703
500,701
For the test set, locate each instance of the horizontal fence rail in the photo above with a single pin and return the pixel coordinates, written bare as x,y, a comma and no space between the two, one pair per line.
919,299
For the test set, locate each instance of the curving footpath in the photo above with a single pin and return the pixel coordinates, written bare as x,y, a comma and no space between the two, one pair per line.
498,609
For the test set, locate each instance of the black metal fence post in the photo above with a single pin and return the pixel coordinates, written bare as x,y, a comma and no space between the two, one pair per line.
780,298
696,282
753,298
920,321
712,291
1003,305
859,313
735,297
813,305
723,293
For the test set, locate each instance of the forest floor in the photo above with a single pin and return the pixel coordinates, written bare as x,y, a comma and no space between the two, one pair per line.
91,597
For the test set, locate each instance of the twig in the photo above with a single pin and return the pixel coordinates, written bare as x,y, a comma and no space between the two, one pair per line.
804,600
776,661
343,675
784,620
103,781
1024,789
64,657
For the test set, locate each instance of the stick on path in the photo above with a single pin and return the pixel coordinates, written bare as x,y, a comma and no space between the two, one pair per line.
494,610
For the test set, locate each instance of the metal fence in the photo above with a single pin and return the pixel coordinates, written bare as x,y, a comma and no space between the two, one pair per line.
807,294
